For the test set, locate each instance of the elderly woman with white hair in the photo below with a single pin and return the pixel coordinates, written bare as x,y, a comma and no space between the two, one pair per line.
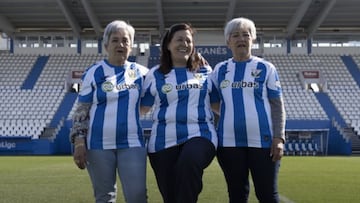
106,131
251,128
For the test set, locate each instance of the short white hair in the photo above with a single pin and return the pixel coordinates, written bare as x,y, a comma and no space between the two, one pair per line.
115,26
237,23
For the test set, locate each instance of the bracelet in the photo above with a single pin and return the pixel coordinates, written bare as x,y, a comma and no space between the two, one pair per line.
75,136
79,145
80,136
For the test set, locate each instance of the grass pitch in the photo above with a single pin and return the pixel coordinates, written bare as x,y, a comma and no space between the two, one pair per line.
38,179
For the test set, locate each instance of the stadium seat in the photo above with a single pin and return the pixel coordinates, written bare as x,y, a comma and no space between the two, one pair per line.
303,148
311,148
290,148
297,148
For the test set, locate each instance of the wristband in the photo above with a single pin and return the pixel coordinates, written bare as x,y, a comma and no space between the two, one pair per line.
80,136
79,145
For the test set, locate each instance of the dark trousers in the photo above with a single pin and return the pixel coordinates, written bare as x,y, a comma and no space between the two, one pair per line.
179,170
236,162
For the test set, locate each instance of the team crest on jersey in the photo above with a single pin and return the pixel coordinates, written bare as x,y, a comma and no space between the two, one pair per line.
198,76
107,86
256,73
166,88
224,84
132,73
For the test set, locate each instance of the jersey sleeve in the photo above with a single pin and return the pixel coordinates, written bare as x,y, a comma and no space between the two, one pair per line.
214,93
86,88
214,76
147,98
273,83
143,70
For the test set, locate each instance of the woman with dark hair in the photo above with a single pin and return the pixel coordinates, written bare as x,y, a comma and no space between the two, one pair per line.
183,139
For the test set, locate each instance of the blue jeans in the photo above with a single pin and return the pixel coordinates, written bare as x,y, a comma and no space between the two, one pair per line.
130,164
237,162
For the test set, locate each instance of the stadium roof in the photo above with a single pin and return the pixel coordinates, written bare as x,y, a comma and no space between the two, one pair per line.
295,19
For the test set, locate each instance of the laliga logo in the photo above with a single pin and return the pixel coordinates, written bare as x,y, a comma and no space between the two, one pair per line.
7,145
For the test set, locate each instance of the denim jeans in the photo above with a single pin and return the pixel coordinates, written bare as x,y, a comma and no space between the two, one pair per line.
237,162
130,164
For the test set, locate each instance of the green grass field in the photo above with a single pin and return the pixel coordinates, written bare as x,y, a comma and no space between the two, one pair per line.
55,179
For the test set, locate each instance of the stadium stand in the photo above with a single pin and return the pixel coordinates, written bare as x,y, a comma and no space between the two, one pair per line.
153,61
342,88
337,102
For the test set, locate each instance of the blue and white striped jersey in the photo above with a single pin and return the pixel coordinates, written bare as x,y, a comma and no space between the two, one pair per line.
114,92
182,106
245,89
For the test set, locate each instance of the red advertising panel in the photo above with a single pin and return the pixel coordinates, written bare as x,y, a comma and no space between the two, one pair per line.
313,74
76,74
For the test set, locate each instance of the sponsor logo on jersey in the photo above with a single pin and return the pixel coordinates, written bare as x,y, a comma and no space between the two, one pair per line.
107,86
124,86
189,86
166,88
224,84
239,84
244,84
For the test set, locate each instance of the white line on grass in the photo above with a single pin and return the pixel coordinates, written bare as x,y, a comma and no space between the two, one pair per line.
285,199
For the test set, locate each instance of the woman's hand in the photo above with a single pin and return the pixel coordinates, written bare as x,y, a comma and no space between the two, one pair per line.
80,153
277,149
